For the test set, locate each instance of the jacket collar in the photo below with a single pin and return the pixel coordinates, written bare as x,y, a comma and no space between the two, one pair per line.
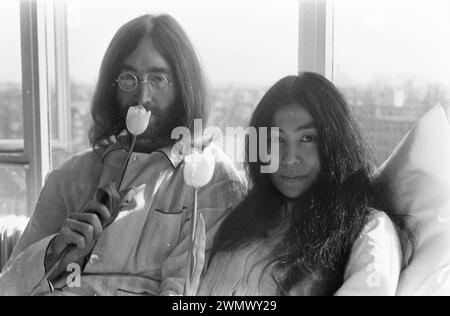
175,153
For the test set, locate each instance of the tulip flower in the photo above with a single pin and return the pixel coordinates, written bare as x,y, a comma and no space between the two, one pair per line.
198,172
199,168
137,123
137,119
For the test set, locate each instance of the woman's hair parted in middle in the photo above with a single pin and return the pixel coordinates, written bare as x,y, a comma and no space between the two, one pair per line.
173,44
328,218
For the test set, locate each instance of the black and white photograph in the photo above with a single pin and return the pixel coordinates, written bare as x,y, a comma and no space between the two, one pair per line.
204,149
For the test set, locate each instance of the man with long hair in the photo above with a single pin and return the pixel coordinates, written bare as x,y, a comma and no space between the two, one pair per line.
150,62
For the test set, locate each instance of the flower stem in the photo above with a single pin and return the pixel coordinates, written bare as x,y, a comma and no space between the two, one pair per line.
191,253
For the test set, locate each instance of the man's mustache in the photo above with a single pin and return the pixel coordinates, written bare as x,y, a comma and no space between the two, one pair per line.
155,110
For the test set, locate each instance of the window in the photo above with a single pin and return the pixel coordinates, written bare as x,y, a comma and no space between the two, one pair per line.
24,144
390,58
13,198
391,61
11,114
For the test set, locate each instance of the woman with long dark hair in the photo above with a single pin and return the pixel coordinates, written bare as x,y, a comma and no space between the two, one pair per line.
310,228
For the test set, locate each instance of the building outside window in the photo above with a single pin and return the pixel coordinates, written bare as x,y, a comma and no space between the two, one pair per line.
12,177
391,62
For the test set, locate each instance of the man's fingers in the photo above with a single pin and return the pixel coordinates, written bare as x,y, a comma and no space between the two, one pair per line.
84,229
98,208
91,220
71,237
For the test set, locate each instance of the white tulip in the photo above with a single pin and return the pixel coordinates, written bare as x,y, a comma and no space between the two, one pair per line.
137,119
199,168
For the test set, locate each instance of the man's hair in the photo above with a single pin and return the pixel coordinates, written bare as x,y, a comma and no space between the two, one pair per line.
174,45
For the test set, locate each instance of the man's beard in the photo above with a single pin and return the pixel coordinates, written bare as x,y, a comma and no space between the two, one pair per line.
159,135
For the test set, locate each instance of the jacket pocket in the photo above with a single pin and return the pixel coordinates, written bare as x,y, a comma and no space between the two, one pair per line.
165,233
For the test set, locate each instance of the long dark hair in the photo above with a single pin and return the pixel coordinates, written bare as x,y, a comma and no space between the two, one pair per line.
174,45
326,220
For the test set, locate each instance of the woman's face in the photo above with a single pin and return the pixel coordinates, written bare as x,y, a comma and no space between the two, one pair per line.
299,151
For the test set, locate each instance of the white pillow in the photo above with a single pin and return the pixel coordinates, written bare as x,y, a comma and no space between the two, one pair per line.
418,178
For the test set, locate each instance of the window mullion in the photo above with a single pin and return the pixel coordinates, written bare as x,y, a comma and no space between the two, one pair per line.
62,74
35,97
316,36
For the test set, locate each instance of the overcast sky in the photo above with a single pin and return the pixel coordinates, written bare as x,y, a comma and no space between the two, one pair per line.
392,40
255,42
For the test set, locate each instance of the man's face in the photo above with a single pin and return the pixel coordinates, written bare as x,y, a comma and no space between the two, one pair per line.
144,62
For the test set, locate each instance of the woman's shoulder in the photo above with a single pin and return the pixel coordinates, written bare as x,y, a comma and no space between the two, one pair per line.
378,222
379,235
374,264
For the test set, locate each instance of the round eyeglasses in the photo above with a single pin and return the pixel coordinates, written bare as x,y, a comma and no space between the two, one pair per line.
129,82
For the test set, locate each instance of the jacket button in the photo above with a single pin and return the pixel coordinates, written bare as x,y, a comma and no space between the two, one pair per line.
94,259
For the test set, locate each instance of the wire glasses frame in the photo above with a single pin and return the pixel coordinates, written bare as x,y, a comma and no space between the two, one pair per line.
129,82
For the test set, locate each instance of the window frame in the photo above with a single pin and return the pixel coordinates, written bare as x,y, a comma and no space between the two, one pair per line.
35,155
54,11
62,77
316,37
33,152
35,97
